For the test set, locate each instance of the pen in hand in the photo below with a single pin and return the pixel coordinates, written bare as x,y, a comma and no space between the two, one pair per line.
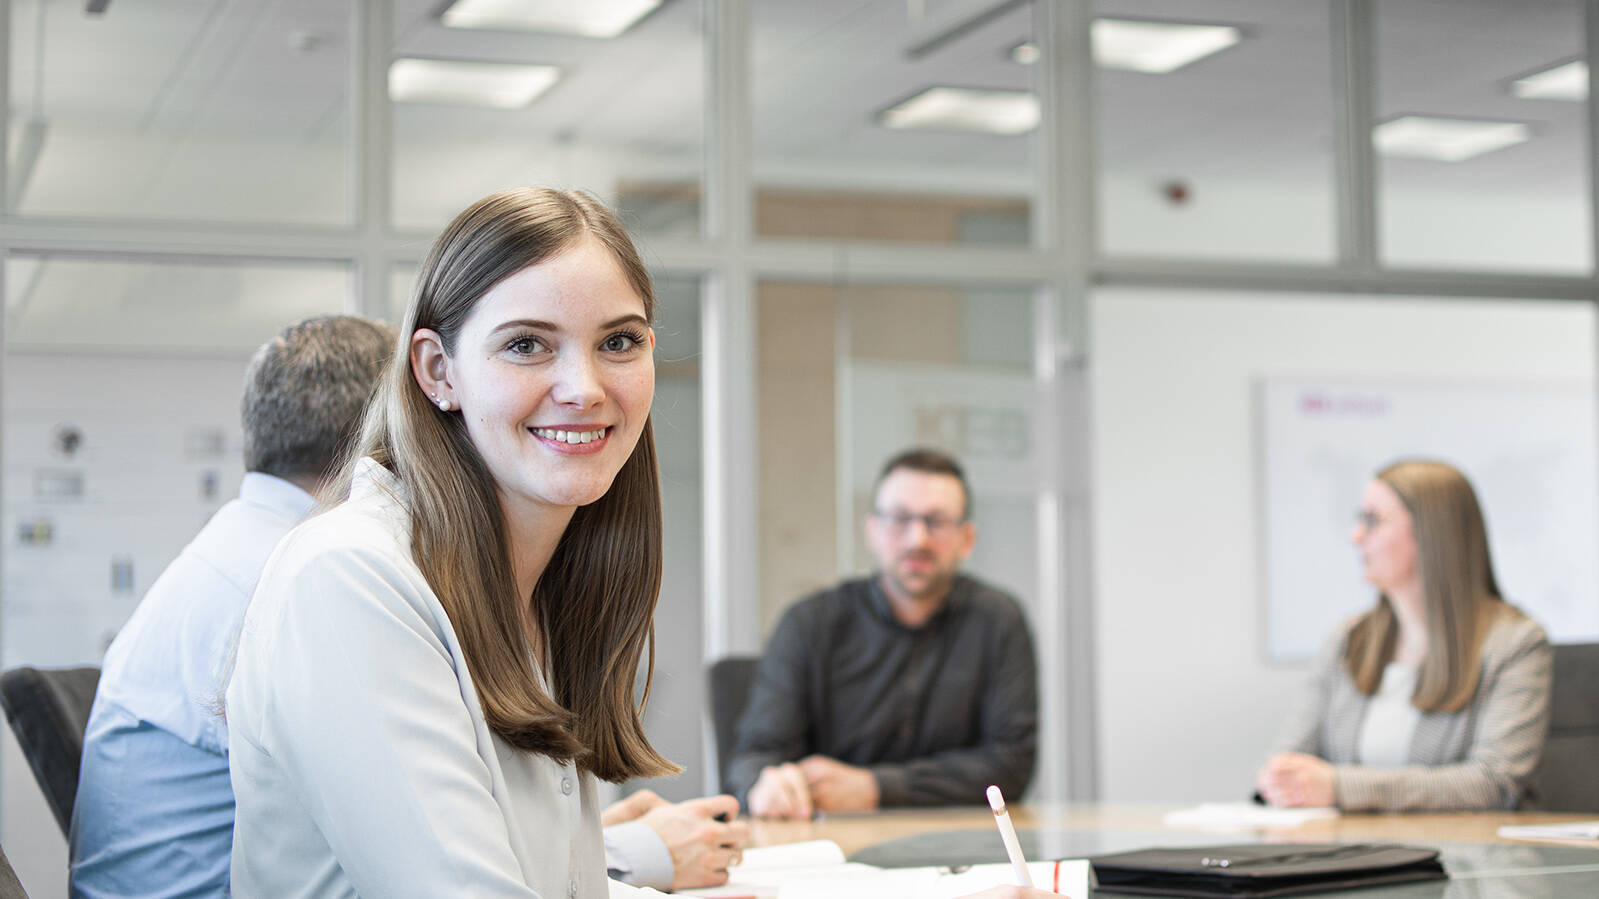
1007,833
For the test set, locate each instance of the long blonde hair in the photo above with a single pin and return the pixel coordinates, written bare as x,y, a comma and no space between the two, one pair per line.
595,601
1460,592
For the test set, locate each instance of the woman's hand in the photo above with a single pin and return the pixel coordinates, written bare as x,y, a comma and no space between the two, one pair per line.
704,836
634,805
1297,779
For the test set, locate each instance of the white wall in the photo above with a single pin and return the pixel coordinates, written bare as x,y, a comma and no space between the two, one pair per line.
1537,227
1187,705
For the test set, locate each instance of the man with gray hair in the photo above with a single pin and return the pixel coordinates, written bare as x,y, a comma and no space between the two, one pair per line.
154,811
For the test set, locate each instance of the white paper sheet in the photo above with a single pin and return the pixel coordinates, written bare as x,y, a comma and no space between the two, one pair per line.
1241,815
817,870
765,868
1575,830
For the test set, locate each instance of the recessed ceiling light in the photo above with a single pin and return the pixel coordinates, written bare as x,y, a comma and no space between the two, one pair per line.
497,85
1157,47
1446,140
966,109
589,18
1568,81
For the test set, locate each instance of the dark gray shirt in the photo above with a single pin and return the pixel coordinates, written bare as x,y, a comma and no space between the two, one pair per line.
937,713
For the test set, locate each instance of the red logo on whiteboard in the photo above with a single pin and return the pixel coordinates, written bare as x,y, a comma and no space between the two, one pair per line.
1317,403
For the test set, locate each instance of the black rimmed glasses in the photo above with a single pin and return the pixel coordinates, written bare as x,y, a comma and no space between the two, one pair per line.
899,521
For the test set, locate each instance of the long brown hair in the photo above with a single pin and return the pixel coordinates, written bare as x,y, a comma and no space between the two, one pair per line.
595,601
1460,593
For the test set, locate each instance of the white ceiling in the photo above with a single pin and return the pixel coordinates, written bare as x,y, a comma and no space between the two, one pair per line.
129,96
238,111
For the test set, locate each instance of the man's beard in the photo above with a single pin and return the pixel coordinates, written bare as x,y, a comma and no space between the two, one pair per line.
934,584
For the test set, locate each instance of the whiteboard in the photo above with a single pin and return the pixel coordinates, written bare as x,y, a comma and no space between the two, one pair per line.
1529,450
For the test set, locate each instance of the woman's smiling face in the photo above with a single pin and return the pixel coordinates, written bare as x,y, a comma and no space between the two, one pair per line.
553,373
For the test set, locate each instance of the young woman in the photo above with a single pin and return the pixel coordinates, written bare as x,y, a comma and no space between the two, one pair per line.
1438,697
431,674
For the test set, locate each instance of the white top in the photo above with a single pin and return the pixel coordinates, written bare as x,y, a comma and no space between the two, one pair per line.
361,762
1391,718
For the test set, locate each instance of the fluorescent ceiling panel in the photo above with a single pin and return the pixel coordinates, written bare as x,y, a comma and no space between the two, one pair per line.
589,18
966,109
1445,140
496,85
1157,47
1563,82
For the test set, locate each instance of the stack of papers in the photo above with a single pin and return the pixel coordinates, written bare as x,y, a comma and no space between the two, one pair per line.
1576,830
1240,815
817,870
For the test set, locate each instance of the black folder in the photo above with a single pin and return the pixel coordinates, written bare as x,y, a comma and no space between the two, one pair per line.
1253,870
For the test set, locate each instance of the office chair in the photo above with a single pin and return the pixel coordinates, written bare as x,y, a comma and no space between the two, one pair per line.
730,680
10,886
48,708
1568,778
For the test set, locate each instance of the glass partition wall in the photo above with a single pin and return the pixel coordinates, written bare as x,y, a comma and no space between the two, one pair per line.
873,222
1482,136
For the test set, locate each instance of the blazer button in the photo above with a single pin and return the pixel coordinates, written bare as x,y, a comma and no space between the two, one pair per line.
566,787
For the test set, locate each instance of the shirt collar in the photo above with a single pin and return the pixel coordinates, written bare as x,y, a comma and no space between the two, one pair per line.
275,493
879,600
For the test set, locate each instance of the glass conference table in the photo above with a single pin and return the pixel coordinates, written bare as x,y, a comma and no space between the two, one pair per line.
1480,863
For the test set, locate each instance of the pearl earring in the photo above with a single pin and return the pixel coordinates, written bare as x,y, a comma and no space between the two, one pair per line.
444,405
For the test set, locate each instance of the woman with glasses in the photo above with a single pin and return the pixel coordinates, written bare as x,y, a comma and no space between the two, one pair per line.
1437,698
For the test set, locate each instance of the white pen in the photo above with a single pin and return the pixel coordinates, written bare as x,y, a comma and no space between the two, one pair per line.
1007,833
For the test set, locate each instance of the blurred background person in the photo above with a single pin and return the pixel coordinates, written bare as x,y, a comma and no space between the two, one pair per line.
1438,697
916,685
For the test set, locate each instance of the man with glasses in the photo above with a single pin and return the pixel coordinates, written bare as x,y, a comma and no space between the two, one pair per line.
914,686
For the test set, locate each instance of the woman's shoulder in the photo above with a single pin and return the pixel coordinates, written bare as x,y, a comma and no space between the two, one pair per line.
354,528
1512,632
355,553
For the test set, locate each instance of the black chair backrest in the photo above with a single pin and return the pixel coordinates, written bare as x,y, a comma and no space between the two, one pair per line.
730,680
48,708
10,886
1568,778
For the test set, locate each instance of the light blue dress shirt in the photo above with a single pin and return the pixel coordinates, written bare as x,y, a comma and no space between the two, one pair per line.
154,813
